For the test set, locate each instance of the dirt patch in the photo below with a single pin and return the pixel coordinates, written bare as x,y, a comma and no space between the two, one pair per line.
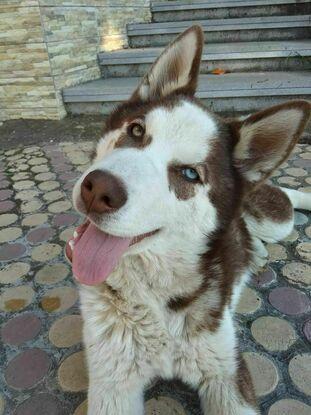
14,133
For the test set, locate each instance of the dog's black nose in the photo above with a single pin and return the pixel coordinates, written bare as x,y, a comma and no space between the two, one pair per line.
102,192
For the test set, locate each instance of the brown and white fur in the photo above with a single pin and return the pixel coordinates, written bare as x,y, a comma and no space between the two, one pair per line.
167,309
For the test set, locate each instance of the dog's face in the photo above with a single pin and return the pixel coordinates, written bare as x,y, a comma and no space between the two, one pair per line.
167,172
160,157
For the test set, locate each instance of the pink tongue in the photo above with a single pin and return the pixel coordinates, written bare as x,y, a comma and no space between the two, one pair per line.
96,254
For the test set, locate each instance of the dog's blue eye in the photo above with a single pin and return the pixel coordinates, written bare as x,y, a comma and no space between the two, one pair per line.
190,174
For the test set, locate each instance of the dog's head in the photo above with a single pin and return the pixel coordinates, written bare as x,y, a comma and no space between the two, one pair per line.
168,173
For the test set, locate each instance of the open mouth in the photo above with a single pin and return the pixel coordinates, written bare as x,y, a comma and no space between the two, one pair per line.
94,254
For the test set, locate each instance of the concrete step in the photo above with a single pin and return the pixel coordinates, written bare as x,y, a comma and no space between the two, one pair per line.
234,92
224,30
172,11
292,55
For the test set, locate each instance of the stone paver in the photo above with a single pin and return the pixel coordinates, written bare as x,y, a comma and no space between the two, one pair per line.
1,405
300,371
26,195
249,302
35,220
27,369
31,206
4,184
11,251
298,272
23,184
43,177
81,409
42,168
290,301
21,329
65,219
12,272
5,194
6,206
67,331
57,207
42,403
10,234
8,219
273,333
21,176
72,374
164,405
306,156
49,185
66,234
288,181
59,299
304,251
40,235
289,407
52,273
16,298
45,252
37,160
265,278
276,252
292,237
300,218
53,195
307,330
292,171
41,329
263,372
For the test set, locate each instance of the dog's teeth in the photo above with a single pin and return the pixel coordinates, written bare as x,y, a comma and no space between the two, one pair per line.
71,244
75,234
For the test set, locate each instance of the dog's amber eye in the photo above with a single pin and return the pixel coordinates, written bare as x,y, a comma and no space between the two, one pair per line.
136,130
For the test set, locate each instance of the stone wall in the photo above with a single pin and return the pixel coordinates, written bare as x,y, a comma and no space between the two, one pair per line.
46,45
26,84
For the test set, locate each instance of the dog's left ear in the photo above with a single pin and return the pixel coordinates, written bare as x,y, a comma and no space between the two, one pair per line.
265,139
176,70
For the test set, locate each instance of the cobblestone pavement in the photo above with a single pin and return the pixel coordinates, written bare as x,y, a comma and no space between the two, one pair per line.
40,350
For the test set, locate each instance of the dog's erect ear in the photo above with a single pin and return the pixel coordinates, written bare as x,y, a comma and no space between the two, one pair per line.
176,69
265,139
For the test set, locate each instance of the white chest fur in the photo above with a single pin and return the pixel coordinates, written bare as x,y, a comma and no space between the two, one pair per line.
130,333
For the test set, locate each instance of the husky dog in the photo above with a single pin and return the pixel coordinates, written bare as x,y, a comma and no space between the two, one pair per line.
177,210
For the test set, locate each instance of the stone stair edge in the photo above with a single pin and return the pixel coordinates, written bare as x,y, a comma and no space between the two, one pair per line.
137,29
238,50
229,85
205,4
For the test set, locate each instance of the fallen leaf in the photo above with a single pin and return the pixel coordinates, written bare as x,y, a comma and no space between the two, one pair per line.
218,71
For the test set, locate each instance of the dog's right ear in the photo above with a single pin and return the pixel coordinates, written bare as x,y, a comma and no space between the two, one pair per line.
266,138
176,70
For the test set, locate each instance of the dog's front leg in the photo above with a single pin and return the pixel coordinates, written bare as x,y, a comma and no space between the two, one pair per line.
116,353
213,365
117,400
226,387
228,396
115,388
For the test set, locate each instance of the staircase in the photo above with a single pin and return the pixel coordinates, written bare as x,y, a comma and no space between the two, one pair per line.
264,46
